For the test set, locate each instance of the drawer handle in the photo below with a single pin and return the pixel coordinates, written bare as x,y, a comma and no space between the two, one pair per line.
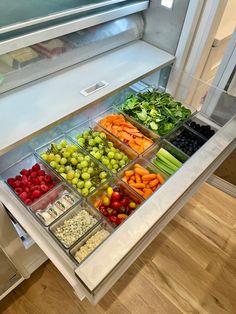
94,88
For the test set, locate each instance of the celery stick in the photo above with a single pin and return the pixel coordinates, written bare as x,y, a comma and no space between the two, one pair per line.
163,167
167,162
163,152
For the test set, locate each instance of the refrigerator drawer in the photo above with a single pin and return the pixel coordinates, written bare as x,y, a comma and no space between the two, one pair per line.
105,265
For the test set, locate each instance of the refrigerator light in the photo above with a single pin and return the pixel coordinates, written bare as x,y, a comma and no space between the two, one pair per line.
167,3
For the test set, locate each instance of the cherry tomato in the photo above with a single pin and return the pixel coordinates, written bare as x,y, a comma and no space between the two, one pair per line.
115,196
115,205
125,201
112,218
106,201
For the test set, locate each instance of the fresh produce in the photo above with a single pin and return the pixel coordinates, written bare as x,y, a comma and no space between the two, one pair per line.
78,169
98,146
126,132
187,141
73,228
205,130
142,180
167,162
157,111
55,209
31,184
115,204
91,244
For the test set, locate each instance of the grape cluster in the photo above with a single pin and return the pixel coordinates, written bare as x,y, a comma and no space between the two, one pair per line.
97,145
79,170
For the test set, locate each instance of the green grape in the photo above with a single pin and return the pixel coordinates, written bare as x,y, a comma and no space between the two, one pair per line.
105,161
74,161
75,181
95,149
79,190
57,158
102,175
61,169
110,155
122,163
93,153
85,192
81,142
126,159
70,175
63,175
75,155
68,168
53,164
74,186
77,175
80,158
63,161
91,143
90,170
113,149
85,169
85,176
98,140
66,154
97,155
103,180
91,189
103,135
87,158
110,144
63,143
84,164
116,166
73,148
109,167
78,136
86,133
50,157
44,156
114,170
69,181
118,156
113,162
80,184
88,184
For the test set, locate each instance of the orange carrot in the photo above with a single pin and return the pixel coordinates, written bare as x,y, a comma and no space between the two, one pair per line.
149,177
132,177
129,173
137,165
137,178
147,193
138,191
138,185
131,182
141,171
153,183
160,178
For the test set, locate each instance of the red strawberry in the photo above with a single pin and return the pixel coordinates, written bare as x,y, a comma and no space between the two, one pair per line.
36,167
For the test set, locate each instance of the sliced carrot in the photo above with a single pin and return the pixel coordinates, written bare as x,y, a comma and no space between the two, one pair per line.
138,185
149,177
129,173
153,183
160,178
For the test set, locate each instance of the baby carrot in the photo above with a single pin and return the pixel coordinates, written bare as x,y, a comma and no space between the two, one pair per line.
138,191
153,183
149,177
138,185
137,178
137,165
131,182
147,193
160,178
141,171
129,173
132,177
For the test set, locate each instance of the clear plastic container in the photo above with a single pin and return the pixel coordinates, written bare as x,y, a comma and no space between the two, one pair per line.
150,154
145,164
202,124
93,126
55,203
96,165
96,197
104,225
185,132
79,232
26,163
146,132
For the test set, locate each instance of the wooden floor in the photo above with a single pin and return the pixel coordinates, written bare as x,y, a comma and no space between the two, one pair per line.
189,268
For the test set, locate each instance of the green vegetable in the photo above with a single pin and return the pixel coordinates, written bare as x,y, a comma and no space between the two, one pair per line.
164,153
167,162
157,111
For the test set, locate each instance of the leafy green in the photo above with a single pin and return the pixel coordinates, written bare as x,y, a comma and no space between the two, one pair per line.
158,111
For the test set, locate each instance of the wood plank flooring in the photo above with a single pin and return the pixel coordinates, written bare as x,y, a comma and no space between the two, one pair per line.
189,268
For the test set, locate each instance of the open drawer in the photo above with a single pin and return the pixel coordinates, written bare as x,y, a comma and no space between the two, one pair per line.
104,266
